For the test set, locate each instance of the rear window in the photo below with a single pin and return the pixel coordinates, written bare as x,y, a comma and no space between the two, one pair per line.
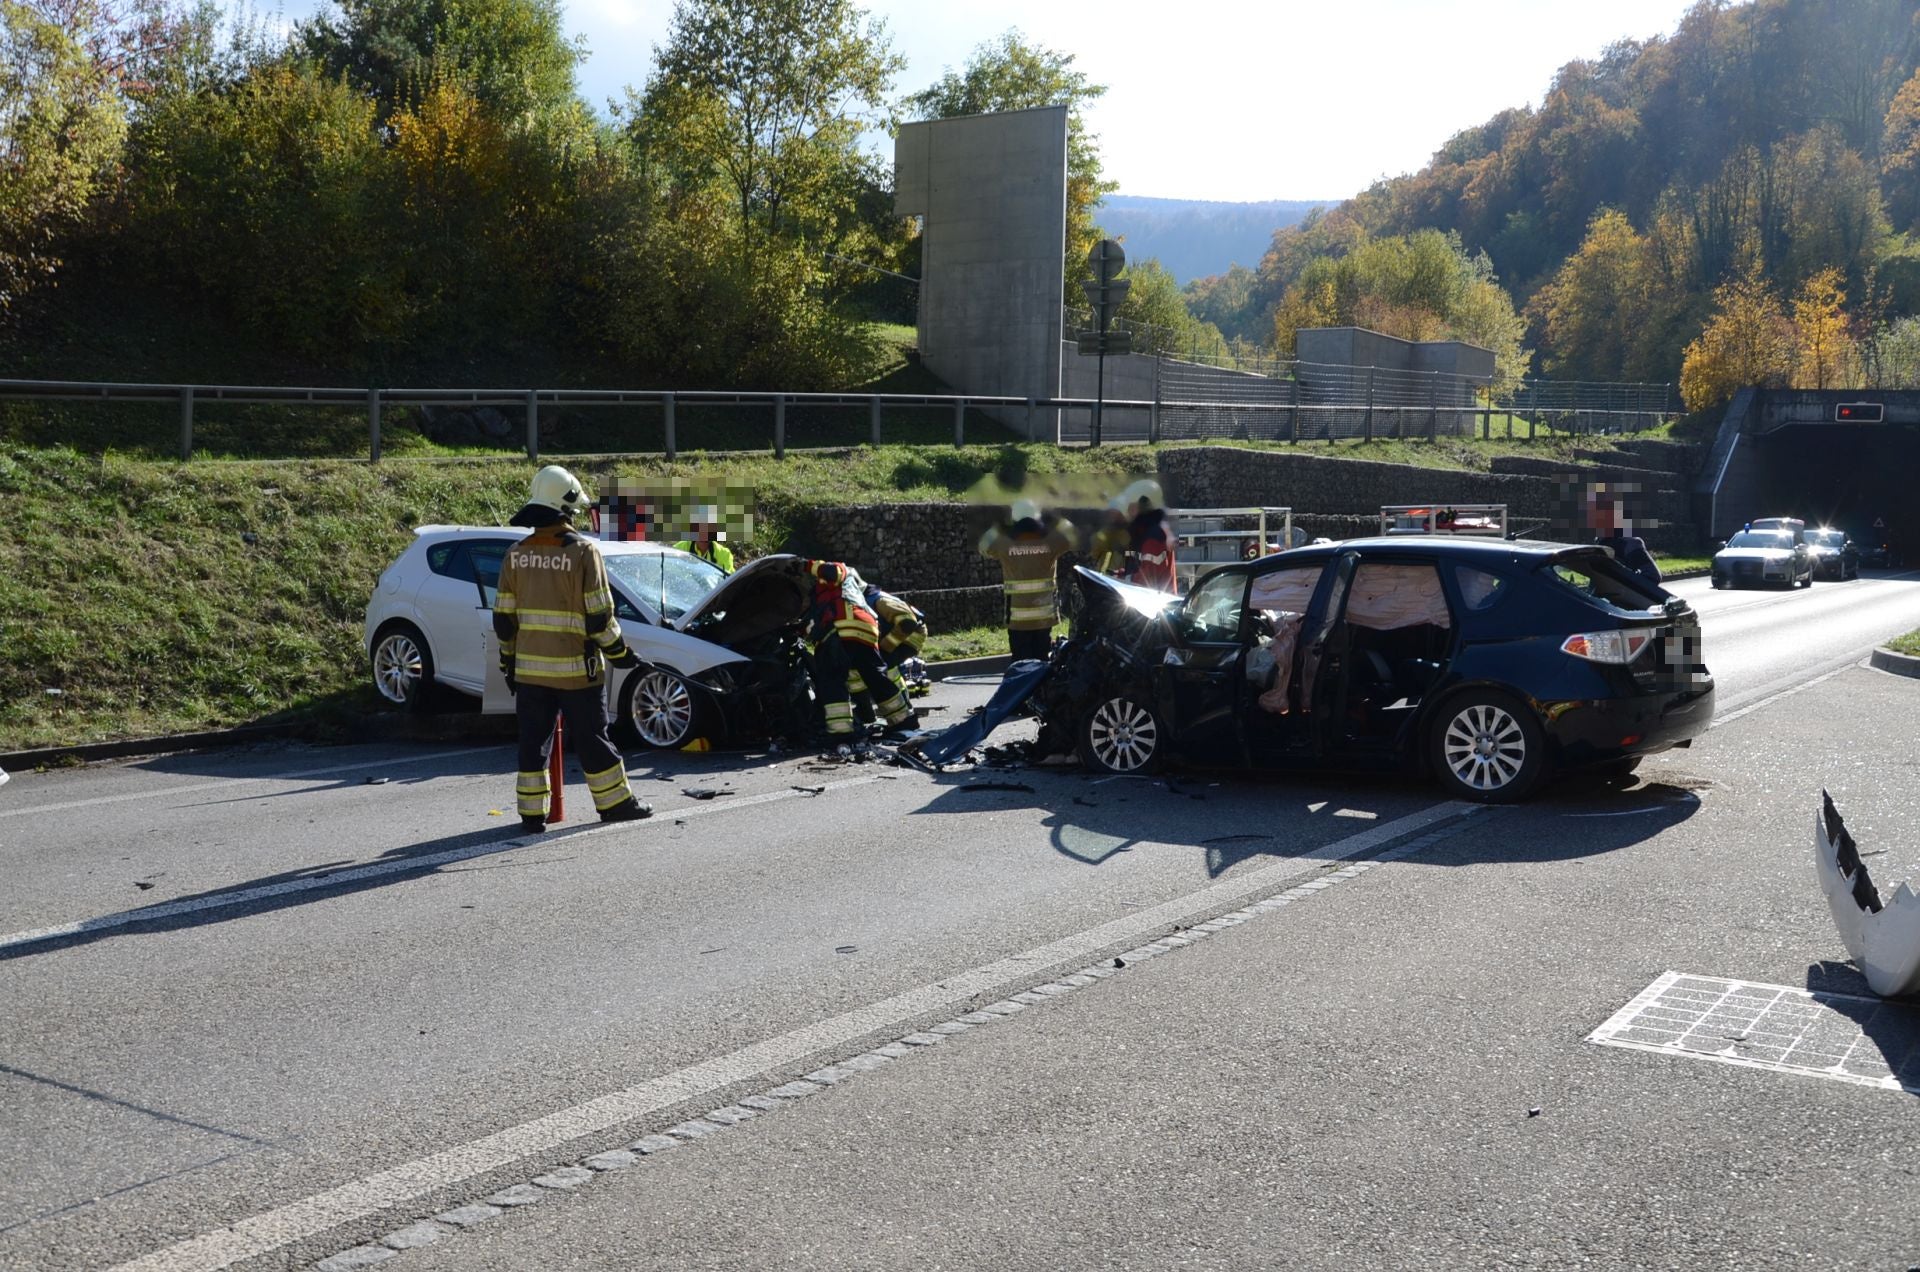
1601,578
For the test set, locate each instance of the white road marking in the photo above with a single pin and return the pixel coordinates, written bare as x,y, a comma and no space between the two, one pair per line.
334,879
1852,661
224,783
361,1198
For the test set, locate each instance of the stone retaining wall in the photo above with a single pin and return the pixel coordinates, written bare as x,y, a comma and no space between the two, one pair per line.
931,549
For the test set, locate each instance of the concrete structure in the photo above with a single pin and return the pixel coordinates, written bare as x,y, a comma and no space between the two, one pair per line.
1358,347
991,192
1781,452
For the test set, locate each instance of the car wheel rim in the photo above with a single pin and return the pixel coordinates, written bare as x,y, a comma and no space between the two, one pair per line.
662,708
1123,735
1485,747
397,668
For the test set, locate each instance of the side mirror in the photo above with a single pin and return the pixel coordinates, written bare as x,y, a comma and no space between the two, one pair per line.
1719,545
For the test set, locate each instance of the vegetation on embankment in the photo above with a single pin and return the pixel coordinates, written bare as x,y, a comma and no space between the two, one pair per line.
1908,644
142,598
139,599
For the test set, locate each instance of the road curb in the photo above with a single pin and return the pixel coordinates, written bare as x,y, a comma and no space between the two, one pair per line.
383,727
968,666
1899,664
453,727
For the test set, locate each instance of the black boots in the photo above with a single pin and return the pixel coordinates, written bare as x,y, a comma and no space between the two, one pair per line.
628,809
533,825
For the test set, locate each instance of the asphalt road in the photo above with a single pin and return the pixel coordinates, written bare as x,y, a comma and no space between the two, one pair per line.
369,1002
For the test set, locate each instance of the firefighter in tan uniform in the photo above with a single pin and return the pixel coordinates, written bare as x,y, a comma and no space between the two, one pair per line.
554,618
1027,548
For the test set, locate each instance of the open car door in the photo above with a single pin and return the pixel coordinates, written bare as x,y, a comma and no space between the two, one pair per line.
1296,617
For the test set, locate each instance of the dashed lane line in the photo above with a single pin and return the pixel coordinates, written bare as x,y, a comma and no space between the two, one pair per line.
403,865
363,1198
226,783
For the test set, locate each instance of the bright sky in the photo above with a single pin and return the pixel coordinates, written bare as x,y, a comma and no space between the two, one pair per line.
1229,99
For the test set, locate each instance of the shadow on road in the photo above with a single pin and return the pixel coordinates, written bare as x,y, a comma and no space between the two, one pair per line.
1892,1025
1232,818
287,889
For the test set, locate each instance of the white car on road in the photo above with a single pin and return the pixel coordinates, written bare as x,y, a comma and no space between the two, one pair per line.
720,654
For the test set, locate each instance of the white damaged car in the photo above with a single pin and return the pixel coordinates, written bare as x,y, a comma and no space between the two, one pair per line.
720,655
1762,557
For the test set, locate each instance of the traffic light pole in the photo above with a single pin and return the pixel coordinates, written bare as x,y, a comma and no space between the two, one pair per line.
1099,395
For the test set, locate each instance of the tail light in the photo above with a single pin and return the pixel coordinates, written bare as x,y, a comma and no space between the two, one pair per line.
1619,647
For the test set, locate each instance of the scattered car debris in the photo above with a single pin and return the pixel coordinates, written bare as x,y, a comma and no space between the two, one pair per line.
1883,938
378,781
845,949
143,885
705,792
811,790
1533,1112
998,786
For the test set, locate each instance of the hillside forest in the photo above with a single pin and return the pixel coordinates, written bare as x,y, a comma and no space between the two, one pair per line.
414,191
1733,203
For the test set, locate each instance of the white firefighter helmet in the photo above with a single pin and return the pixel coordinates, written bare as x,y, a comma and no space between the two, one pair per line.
1025,510
1142,496
556,488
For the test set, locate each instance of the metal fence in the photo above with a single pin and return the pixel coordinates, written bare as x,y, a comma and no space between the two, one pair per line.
1310,402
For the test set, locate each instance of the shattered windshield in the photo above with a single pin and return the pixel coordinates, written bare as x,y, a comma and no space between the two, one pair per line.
669,582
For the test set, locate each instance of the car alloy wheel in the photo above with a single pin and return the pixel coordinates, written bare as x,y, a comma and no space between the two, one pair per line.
1122,736
662,708
1489,748
402,667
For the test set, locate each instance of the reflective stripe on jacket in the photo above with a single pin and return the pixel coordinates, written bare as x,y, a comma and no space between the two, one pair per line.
900,623
840,605
554,612
1027,564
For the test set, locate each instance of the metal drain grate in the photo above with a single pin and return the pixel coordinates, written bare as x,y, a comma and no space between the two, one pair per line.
1849,1038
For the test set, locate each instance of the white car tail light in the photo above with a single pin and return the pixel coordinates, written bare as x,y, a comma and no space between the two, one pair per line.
1619,647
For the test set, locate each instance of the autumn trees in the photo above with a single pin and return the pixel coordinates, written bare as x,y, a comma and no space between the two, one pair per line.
1630,206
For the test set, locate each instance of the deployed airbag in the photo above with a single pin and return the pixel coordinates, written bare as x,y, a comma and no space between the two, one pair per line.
1386,597
1884,939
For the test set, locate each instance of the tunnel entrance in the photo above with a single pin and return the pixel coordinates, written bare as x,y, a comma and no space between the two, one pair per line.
1844,476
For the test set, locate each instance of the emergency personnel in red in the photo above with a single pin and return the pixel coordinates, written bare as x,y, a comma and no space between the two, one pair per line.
554,618
846,639
1150,560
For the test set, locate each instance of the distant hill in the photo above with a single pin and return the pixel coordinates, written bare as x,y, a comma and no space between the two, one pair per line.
1193,238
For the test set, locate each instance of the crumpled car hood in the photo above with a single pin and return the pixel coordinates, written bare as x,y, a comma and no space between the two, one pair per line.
763,596
1883,938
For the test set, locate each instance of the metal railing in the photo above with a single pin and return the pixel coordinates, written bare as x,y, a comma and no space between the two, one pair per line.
1040,419
1189,401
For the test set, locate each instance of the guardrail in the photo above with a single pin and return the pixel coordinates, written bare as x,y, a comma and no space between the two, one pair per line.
1278,414
531,401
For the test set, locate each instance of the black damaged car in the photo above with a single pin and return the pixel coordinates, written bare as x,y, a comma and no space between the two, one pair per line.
1488,664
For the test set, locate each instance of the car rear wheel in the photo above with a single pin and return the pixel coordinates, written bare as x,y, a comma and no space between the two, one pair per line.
660,709
403,666
1485,746
1123,735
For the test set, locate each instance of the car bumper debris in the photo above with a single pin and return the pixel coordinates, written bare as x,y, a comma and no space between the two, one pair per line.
1882,937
